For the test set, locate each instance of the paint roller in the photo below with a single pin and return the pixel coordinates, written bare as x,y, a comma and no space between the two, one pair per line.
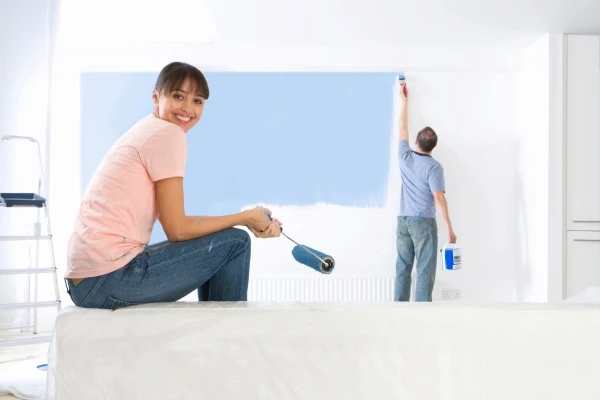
310,257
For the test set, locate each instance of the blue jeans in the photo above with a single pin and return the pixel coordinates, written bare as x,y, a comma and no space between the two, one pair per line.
216,265
416,240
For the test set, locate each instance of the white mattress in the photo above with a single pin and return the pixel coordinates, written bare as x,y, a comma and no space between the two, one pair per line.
327,351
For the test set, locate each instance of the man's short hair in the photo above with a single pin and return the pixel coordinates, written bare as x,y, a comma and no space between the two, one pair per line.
427,139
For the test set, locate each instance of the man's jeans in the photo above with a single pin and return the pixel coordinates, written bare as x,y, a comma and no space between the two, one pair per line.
416,238
216,265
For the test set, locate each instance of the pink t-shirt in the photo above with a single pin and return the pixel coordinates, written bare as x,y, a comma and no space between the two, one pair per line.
118,210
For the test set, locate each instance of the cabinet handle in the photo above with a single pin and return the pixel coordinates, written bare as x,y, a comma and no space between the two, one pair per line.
587,221
586,240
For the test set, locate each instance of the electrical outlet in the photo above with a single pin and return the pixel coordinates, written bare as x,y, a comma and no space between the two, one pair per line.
450,294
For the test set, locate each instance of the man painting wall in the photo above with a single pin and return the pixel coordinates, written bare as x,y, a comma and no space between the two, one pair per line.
421,195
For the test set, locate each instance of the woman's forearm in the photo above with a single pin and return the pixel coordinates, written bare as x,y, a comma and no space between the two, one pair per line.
197,226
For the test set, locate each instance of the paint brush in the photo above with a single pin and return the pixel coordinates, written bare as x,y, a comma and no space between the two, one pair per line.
402,80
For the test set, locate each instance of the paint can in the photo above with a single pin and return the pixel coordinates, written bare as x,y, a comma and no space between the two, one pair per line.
451,259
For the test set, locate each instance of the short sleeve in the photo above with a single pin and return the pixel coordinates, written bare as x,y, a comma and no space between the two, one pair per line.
404,149
435,179
164,154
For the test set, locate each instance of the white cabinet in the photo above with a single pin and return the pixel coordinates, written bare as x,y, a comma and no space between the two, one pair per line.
583,260
582,163
583,133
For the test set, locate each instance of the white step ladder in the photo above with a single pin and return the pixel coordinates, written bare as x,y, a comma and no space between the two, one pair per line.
35,200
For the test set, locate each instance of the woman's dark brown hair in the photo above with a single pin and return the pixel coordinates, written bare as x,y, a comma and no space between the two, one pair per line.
176,73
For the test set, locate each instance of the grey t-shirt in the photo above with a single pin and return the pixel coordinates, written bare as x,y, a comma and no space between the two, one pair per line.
421,176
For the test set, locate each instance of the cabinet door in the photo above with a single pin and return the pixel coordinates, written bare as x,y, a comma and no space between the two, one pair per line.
583,261
583,133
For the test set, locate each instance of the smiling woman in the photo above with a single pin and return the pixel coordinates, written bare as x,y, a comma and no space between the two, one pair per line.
179,95
140,180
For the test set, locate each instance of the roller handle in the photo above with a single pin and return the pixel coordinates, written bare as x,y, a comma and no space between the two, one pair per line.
325,262
269,218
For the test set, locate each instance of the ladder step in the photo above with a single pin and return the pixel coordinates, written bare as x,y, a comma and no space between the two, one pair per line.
37,304
10,328
26,237
26,340
17,271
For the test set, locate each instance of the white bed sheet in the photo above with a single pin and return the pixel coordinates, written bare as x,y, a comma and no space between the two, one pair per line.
327,351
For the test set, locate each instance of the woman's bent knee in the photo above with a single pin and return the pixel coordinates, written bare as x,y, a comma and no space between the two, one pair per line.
236,239
241,234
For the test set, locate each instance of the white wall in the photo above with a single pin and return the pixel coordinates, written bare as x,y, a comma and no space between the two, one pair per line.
476,99
532,102
24,61
477,120
468,96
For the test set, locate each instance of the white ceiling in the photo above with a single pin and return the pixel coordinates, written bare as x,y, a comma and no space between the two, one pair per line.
398,22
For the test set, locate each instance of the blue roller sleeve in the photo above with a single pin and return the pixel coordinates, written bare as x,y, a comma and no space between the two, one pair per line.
304,257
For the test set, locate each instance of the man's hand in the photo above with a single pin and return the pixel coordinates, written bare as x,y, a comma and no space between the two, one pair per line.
273,230
403,92
451,236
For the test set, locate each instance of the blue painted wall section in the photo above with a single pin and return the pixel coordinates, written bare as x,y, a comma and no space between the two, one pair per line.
281,138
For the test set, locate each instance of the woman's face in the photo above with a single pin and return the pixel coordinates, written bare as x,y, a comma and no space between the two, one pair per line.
181,106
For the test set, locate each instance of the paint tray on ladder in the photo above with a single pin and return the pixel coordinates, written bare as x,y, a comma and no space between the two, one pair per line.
21,200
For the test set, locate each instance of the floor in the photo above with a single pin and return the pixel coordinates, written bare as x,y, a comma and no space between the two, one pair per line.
12,354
